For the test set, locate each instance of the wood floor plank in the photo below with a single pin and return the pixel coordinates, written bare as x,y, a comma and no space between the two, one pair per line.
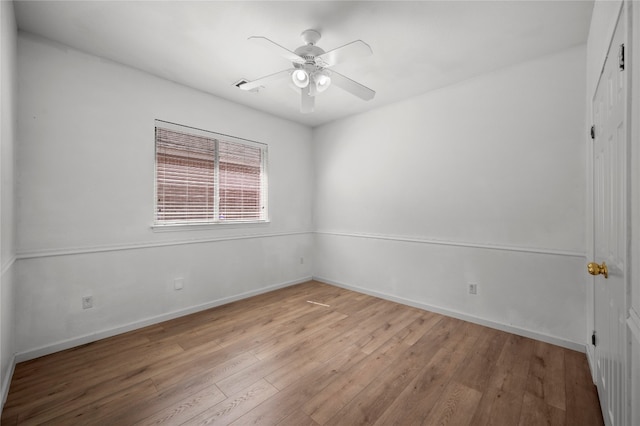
385,331
535,411
146,407
9,420
352,328
583,406
502,399
501,402
292,372
352,305
262,319
292,397
306,350
276,359
85,385
419,327
215,367
94,368
546,378
360,328
334,397
117,377
429,383
97,411
187,408
299,418
80,404
79,356
370,404
455,407
235,406
481,359
276,329
516,355
301,331
230,324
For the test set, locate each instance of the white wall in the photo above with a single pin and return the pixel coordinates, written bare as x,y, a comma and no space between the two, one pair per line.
479,182
8,102
85,170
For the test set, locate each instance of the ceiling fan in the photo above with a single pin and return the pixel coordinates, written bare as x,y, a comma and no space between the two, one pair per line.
310,72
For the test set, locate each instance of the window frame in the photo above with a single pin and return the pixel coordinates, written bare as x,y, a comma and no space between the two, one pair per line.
216,222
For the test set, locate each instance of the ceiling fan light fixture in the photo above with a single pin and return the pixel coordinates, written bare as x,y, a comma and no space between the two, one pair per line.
323,82
300,78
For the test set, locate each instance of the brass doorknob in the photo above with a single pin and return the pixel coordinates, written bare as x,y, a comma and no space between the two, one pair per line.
595,269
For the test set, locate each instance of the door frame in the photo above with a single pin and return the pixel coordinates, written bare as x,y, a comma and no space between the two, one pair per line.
633,286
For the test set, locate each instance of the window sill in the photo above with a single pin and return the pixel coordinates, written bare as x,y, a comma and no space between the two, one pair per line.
172,227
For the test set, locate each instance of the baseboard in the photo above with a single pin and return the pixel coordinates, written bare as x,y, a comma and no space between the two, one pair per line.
460,315
6,381
88,338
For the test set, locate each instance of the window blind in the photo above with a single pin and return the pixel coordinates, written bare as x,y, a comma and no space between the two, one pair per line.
204,179
240,181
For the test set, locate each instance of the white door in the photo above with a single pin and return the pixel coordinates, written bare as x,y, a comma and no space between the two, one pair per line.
610,234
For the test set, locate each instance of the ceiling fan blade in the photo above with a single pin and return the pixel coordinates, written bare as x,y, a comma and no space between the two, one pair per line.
264,80
276,48
351,86
307,101
355,49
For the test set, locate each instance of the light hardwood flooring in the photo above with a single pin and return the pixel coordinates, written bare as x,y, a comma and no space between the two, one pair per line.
276,359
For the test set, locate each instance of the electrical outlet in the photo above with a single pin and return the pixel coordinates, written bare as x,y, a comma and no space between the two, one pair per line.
178,283
473,288
87,302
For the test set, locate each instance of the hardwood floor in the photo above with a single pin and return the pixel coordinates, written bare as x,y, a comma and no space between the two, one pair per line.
276,359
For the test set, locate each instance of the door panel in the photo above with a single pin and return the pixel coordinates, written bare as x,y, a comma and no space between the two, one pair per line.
610,234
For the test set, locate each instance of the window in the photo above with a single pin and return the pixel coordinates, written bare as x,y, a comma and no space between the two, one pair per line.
205,177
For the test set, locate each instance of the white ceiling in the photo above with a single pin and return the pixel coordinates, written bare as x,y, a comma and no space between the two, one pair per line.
418,46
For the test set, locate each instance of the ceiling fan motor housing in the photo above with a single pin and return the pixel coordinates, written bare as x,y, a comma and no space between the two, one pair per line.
310,36
309,52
